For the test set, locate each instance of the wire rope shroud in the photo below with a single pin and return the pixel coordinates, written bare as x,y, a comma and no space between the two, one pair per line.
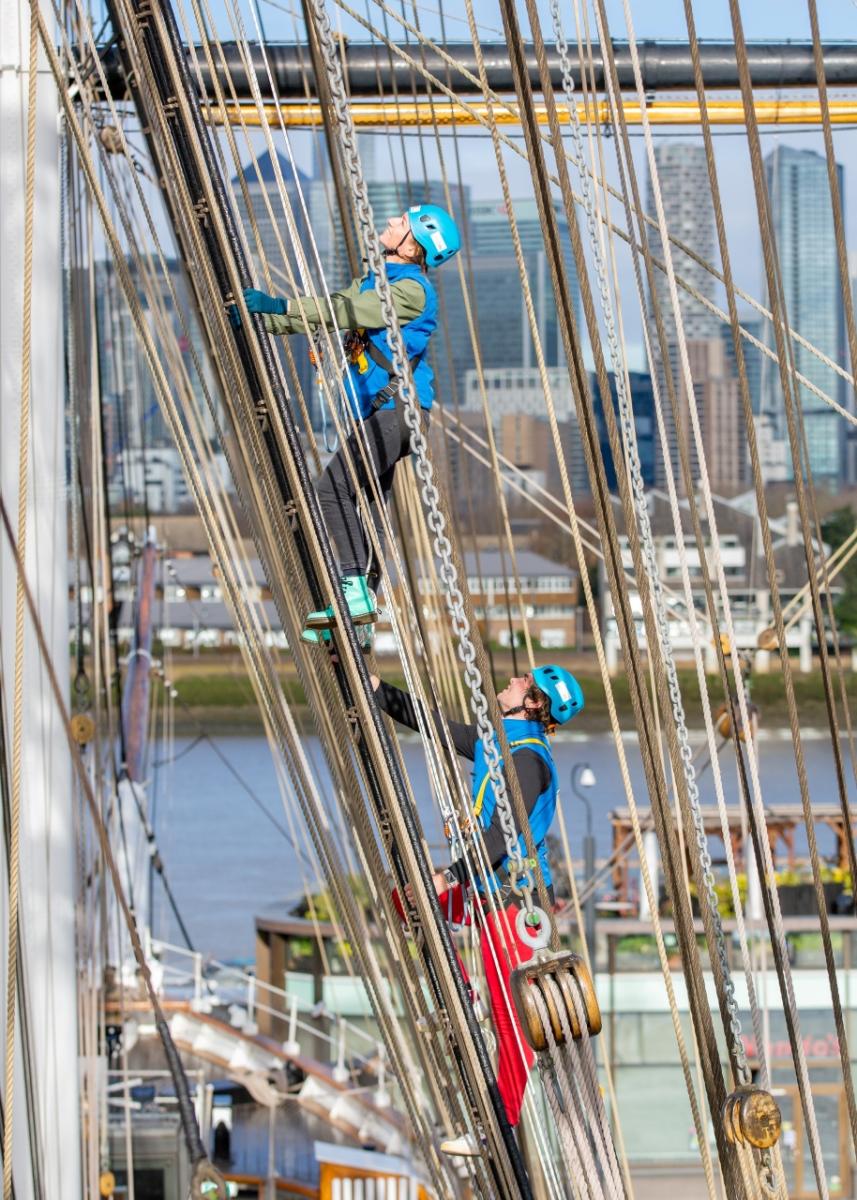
647,545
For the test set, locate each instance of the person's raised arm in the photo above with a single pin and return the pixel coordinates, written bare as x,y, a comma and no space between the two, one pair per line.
350,308
399,705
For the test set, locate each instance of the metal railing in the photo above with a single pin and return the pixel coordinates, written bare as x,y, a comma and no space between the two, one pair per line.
209,983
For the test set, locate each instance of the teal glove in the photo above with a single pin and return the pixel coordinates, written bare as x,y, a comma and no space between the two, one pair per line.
260,302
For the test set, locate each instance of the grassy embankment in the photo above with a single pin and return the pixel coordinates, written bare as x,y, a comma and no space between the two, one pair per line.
218,691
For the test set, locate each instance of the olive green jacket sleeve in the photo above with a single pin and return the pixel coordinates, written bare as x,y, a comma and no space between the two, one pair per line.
350,309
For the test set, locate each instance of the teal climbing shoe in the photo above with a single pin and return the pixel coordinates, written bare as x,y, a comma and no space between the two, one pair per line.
361,604
317,637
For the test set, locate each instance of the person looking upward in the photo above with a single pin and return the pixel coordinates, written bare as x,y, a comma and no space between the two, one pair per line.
422,238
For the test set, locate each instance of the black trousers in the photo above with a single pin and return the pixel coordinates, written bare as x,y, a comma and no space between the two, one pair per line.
387,439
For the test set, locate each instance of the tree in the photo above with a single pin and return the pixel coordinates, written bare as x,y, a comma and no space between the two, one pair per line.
836,529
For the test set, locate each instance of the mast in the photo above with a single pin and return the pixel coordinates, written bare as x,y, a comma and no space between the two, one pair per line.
47,895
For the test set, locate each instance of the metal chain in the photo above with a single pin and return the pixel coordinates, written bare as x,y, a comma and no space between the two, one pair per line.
647,545
430,495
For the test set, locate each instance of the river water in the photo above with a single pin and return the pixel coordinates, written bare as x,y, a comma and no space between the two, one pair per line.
227,862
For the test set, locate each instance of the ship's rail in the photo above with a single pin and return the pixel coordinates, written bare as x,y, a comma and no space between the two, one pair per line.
209,984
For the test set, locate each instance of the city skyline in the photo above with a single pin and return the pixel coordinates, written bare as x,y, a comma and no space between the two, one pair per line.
504,338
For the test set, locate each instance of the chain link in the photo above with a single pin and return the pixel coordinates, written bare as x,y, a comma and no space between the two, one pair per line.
626,416
768,1175
430,495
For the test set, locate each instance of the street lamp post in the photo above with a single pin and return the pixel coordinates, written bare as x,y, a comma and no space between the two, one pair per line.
582,776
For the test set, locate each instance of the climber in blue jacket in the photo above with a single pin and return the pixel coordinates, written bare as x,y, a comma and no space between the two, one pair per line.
424,236
532,706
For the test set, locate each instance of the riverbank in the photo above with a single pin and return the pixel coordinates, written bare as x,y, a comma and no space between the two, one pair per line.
216,691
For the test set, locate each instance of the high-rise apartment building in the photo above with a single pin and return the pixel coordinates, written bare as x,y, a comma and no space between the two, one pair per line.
689,213
718,401
803,228
756,362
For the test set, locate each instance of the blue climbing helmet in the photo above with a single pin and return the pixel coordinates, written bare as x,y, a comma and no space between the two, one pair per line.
435,230
563,691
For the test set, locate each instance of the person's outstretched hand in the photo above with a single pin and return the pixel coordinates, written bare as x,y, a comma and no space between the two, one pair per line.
261,302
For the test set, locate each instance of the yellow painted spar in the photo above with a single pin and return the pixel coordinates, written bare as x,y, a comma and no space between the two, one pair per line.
660,112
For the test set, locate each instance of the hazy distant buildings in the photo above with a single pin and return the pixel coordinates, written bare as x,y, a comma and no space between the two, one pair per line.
756,362
497,307
132,415
719,404
803,227
643,406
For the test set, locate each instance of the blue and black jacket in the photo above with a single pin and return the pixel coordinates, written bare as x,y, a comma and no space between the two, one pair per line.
534,767
368,377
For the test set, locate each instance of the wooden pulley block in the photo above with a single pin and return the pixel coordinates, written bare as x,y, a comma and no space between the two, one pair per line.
723,721
106,1184
752,1115
566,971
82,728
767,639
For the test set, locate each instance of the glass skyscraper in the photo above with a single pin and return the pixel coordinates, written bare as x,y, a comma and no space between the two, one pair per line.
803,228
505,339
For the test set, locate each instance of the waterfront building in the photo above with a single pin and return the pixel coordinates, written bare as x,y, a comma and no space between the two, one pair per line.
549,592
191,598
803,228
742,556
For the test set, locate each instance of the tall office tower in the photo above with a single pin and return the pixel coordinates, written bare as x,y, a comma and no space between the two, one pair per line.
803,227
643,406
756,362
689,213
504,335
719,402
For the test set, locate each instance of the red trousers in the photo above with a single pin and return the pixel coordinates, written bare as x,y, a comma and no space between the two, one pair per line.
498,944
